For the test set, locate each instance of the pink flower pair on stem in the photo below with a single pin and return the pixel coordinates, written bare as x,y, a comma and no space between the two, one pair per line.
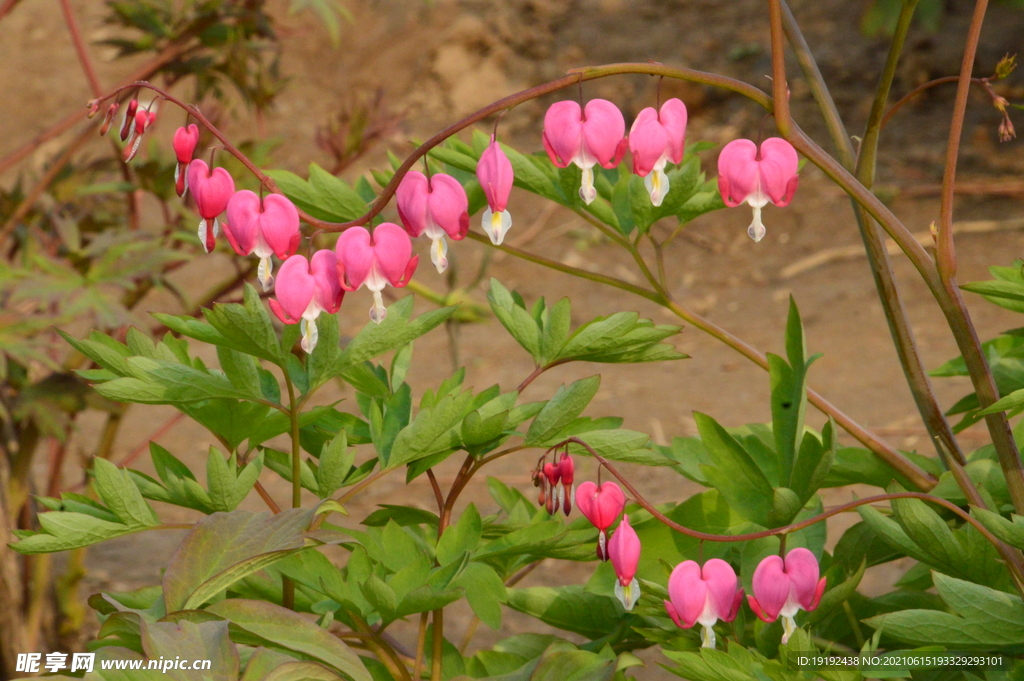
782,587
304,288
757,176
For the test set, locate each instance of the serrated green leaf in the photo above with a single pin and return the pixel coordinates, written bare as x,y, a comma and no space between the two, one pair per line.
225,547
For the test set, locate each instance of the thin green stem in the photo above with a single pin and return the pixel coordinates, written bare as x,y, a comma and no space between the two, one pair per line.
918,477
288,584
917,377
421,644
819,90
382,649
437,645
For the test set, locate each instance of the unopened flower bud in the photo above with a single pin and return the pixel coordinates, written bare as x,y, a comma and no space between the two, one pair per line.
128,124
1006,130
108,118
94,108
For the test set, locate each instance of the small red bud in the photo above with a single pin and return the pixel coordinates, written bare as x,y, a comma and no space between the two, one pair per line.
542,496
128,124
108,118
94,107
551,471
566,469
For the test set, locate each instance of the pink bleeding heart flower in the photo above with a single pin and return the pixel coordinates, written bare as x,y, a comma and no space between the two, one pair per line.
185,141
211,190
601,506
757,176
494,171
265,227
705,595
433,206
385,257
305,289
656,138
785,587
624,553
594,134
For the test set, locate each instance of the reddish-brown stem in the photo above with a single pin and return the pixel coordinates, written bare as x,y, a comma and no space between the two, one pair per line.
945,251
6,6
170,54
537,372
157,434
438,495
269,500
835,510
58,453
780,88
918,90
83,55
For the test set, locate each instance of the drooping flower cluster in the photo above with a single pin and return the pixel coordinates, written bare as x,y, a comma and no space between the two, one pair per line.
555,481
697,594
436,206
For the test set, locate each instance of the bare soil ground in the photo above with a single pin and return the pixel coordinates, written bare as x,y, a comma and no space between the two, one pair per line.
439,60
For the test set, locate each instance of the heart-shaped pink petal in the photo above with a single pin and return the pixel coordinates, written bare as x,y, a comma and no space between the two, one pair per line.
279,225
688,592
294,290
601,505
563,132
604,132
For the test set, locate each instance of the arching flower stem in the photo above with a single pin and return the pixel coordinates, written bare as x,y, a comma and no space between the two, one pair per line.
1014,568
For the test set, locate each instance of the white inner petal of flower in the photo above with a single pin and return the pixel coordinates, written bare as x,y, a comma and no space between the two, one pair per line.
439,252
496,225
265,273
657,185
707,637
587,191
378,312
310,333
628,595
204,228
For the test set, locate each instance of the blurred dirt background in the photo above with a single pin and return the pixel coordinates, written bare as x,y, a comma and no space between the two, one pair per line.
433,62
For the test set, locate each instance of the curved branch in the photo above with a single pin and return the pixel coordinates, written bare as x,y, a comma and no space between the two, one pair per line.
794,527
